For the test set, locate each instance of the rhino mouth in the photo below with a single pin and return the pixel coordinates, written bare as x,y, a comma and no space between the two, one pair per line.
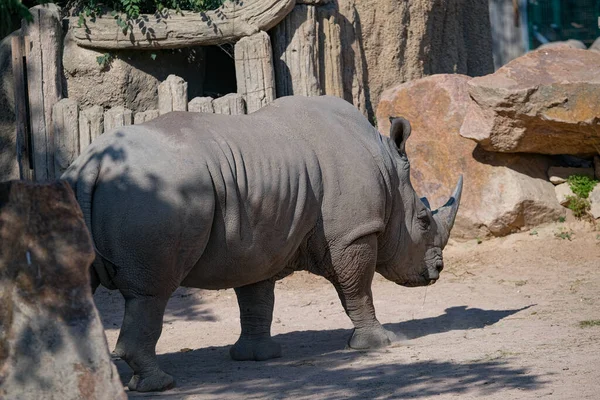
423,280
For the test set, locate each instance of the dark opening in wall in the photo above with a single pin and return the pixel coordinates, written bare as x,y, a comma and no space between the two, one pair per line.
219,77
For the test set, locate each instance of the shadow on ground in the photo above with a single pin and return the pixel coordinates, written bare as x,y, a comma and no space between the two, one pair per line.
455,318
316,365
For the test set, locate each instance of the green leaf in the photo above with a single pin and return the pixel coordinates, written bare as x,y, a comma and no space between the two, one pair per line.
153,56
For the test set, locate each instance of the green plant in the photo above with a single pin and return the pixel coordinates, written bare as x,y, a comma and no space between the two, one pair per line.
563,233
589,323
533,233
581,185
578,205
104,60
479,241
561,219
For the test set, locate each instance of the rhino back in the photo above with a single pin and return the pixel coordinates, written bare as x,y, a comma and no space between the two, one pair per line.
225,201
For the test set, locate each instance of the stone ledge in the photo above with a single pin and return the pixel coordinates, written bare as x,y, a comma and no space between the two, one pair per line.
169,30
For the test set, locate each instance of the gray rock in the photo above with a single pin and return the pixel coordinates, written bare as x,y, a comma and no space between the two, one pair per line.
52,340
562,192
595,202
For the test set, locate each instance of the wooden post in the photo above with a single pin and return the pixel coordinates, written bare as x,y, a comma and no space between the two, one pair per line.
201,104
21,111
232,104
295,55
144,116
172,95
117,117
330,52
44,76
65,120
91,125
254,70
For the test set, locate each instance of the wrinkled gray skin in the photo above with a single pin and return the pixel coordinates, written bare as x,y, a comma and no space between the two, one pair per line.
214,201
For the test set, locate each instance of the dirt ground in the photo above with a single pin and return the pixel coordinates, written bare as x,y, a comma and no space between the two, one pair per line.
503,322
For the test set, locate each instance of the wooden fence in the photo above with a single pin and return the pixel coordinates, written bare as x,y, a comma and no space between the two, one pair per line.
75,128
52,132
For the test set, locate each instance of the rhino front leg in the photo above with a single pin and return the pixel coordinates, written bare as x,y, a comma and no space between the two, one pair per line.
354,272
142,326
256,314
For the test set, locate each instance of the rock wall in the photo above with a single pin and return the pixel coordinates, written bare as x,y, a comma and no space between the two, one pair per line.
131,78
393,42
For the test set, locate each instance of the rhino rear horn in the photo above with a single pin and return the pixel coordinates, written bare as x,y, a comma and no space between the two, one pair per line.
446,214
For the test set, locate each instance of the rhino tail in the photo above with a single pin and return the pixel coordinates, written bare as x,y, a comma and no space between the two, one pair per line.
84,190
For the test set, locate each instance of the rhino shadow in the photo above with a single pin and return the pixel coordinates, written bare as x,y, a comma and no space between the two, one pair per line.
455,318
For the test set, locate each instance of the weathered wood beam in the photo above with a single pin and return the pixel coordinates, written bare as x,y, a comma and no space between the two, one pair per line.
168,30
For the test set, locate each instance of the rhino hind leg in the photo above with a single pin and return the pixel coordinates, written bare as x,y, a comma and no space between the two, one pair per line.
354,269
142,326
256,303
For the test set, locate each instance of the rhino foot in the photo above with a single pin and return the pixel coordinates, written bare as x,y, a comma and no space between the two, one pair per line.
371,338
155,382
260,349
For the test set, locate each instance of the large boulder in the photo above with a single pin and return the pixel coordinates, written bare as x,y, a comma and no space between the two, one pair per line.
547,101
502,193
52,343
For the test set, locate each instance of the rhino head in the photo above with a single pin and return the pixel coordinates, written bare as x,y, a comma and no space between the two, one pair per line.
411,254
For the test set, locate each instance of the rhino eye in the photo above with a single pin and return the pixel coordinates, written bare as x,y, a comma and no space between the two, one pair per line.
424,220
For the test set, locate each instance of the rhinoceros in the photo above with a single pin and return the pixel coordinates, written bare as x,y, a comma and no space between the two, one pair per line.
216,201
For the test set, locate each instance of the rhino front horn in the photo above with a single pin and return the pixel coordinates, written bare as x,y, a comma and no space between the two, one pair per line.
446,214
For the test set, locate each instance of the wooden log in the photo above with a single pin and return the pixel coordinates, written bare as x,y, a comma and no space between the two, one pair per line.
201,104
170,30
24,156
143,116
117,117
52,342
91,125
44,76
65,120
254,71
330,52
232,104
295,53
172,95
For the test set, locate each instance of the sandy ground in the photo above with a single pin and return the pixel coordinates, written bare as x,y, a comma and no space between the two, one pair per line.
502,323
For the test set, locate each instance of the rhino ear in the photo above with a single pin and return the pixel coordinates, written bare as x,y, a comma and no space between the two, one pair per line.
400,131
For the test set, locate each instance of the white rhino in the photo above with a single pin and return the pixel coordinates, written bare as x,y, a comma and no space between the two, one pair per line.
214,201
